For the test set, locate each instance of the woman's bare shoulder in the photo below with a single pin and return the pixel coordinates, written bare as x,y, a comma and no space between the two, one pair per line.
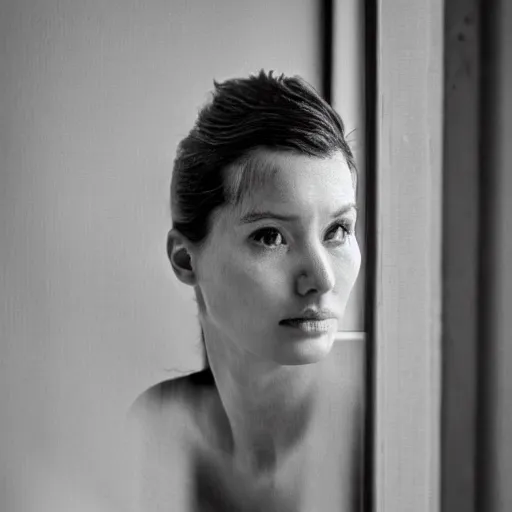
164,435
173,396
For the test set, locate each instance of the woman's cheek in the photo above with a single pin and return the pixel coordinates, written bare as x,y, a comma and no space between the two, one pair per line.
352,254
355,260
348,266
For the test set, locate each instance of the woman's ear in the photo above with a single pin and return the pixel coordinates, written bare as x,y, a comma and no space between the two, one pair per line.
180,256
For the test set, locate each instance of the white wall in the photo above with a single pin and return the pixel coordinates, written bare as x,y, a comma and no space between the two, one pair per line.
95,96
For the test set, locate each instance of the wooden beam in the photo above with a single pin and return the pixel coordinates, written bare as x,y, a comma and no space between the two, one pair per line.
407,291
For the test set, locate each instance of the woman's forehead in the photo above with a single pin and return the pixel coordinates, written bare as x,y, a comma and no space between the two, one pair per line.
289,178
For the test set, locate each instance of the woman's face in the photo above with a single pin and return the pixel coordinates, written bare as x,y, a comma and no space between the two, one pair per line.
288,246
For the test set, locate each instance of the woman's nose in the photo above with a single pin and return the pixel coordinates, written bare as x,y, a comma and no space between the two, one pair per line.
316,274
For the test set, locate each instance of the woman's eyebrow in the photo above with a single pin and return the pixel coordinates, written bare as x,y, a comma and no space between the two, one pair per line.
256,215
345,209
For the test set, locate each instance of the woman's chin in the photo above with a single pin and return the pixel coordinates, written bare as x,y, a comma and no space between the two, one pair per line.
307,351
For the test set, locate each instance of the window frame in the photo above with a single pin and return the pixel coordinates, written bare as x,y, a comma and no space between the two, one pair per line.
405,288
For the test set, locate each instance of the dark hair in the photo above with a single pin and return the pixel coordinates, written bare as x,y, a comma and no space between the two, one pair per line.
244,116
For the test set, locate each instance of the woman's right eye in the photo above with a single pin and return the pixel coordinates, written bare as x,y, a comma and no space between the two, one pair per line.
270,237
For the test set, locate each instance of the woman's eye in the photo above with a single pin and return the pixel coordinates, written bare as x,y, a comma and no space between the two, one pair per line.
341,232
270,237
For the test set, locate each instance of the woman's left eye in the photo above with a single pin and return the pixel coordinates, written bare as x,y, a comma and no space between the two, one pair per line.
340,231
269,237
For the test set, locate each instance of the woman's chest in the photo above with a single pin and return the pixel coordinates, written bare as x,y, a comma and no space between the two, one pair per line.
219,486
317,476
321,473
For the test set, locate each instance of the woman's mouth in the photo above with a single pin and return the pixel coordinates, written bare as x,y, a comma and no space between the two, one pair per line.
311,326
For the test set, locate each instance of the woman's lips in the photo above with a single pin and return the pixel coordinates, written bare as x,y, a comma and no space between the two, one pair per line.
310,325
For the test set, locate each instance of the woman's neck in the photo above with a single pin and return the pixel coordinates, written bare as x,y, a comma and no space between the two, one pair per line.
264,408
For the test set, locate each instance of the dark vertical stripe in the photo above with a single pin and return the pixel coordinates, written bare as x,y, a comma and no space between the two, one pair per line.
327,45
461,236
370,104
489,104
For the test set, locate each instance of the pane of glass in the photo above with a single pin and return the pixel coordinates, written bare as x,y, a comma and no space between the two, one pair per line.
97,97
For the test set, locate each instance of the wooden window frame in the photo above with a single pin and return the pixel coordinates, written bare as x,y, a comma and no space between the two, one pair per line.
423,77
405,328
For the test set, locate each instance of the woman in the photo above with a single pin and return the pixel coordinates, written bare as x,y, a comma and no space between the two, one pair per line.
263,199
